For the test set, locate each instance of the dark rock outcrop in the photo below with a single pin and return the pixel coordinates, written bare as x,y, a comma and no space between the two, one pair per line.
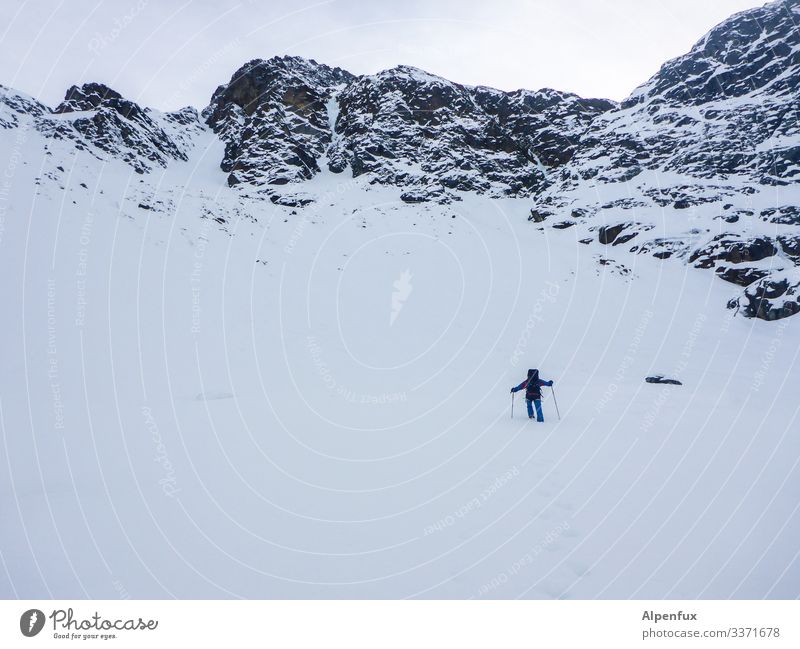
732,248
286,118
743,276
119,127
769,299
16,105
608,233
409,128
613,234
659,378
274,119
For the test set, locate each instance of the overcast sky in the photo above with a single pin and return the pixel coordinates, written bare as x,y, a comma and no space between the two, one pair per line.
169,54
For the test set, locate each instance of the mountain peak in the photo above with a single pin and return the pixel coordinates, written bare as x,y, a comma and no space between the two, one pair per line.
273,117
751,52
258,80
88,96
411,73
14,104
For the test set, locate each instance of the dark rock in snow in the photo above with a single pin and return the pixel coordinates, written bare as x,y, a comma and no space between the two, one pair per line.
743,276
100,117
769,299
291,200
409,128
784,215
538,216
659,378
612,234
713,137
790,245
664,247
16,105
732,248
715,129
607,233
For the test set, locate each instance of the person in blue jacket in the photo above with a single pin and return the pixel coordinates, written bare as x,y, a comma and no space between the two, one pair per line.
533,393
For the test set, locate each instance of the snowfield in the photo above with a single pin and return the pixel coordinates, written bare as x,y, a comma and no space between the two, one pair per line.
207,395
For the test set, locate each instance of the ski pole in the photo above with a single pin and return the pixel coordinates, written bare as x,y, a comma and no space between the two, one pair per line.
512,405
555,402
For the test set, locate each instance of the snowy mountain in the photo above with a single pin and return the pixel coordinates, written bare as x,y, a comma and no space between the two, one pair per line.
265,349
282,119
703,160
703,156
407,128
99,120
273,118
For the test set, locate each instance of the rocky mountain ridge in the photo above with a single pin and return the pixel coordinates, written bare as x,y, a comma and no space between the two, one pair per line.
700,164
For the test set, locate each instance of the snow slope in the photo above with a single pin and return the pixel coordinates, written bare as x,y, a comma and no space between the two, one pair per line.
207,394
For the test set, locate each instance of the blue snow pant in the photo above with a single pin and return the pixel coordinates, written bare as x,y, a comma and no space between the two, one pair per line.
539,415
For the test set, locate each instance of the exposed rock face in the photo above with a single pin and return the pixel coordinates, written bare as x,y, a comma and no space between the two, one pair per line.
613,234
707,113
752,51
608,233
102,122
715,134
783,215
406,127
701,164
286,118
16,105
743,276
733,248
547,123
120,127
274,118
790,245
